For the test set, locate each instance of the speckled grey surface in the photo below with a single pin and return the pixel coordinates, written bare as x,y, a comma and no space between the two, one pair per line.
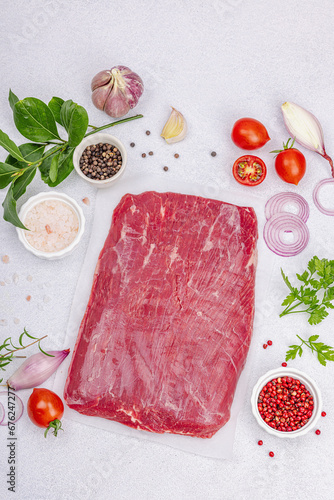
215,61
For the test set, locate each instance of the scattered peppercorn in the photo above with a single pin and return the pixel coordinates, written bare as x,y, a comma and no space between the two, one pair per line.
323,413
260,443
132,144
151,153
285,404
270,342
165,169
148,132
143,155
284,364
100,161
213,153
318,432
265,346
176,155
271,454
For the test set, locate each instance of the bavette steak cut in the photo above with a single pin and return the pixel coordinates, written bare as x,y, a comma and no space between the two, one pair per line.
169,321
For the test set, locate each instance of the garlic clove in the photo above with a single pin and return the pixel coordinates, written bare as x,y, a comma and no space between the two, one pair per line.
117,103
102,78
175,129
100,96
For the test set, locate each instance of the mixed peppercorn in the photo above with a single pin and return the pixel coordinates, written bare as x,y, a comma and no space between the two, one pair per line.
285,404
100,161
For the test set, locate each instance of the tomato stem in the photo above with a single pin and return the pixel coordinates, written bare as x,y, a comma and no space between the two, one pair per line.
55,425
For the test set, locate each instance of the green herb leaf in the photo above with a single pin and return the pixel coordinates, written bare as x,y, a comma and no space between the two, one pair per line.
12,98
75,120
317,316
21,183
65,167
286,280
6,174
55,105
7,357
54,168
324,352
10,146
320,277
34,120
30,151
9,209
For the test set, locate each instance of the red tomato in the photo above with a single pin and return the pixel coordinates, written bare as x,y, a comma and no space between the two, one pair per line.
290,165
45,409
249,170
249,134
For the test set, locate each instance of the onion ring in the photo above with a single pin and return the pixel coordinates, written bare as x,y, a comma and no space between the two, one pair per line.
282,223
316,197
277,204
2,413
18,411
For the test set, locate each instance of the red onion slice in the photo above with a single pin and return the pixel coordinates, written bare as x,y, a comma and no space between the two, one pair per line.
281,223
279,201
316,200
19,407
2,413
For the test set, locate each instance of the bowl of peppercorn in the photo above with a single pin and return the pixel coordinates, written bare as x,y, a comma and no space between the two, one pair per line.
286,402
100,159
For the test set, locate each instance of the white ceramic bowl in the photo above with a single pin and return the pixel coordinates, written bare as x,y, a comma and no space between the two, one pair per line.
96,139
310,385
46,196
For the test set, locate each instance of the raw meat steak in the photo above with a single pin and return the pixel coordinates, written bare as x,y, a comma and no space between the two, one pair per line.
169,321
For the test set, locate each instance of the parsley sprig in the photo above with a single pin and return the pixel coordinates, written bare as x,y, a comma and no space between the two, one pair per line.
324,352
315,295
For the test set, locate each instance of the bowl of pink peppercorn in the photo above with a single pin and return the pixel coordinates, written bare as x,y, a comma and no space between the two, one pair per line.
286,402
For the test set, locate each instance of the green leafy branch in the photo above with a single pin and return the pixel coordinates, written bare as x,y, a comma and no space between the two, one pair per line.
37,122
318,278
8,349
324,352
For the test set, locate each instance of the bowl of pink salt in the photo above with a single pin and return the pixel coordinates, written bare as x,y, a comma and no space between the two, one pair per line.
55,224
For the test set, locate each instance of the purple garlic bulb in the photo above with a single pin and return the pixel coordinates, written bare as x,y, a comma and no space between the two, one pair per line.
116,91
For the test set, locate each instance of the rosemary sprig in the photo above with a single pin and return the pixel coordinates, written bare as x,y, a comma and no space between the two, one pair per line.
8,349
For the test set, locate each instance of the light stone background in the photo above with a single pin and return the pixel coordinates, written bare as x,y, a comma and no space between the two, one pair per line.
216,61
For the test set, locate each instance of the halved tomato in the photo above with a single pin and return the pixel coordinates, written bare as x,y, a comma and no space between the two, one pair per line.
249,170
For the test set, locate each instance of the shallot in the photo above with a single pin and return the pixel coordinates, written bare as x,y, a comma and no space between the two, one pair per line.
36,369
306,129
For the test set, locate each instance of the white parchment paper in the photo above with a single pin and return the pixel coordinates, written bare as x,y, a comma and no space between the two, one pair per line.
220,446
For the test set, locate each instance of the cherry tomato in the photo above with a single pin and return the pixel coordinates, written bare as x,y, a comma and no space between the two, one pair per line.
248,133
45,409
249,170
290,165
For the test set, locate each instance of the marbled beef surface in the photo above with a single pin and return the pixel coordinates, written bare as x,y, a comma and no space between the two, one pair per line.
169,321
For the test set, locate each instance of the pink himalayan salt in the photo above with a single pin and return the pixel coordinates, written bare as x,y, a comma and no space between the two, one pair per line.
53,226
5,259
